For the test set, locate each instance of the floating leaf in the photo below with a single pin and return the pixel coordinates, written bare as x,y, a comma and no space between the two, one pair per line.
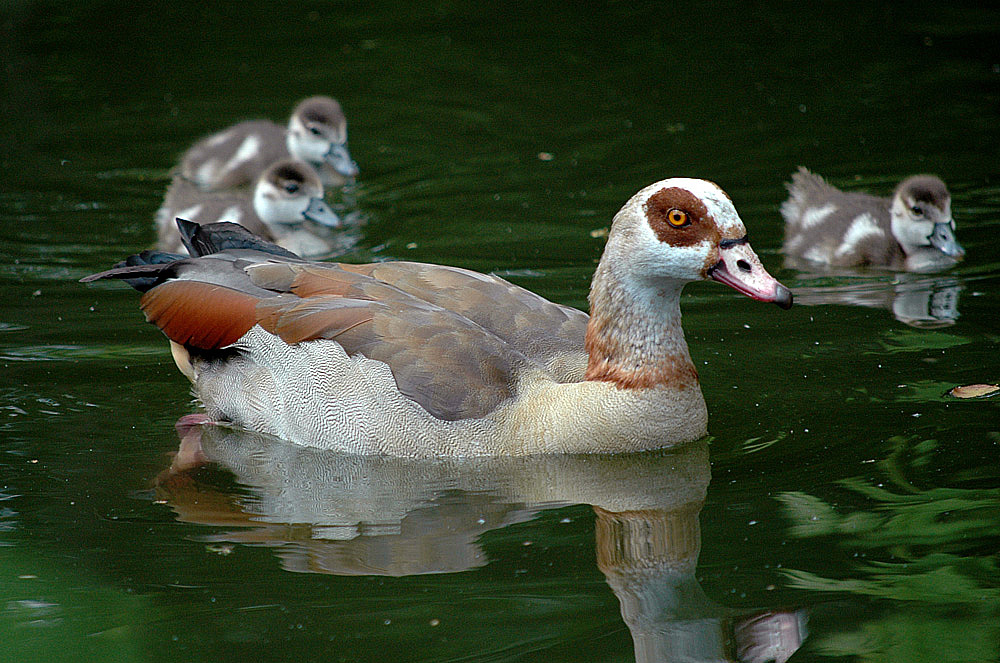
974,391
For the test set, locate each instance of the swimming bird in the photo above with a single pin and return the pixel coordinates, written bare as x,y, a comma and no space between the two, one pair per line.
418,360
316,133
288,196
911,231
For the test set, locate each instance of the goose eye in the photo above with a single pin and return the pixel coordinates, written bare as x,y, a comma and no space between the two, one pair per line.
291,187
678,218
917,210
315,130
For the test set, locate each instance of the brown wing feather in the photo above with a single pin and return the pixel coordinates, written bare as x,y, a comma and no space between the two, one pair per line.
203,315
541,330
449,365
509,311
454,368
454,341
328,279
274,276
296,320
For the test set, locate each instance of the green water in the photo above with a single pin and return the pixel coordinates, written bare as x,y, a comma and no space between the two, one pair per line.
843,499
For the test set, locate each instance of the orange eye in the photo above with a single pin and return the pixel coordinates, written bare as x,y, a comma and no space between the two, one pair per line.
678,218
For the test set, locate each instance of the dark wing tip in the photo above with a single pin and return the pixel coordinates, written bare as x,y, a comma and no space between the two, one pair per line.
141,271
203,240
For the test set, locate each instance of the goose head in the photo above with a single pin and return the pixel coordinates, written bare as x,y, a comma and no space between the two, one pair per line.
921,217
317,133
290,192
670,233
681,230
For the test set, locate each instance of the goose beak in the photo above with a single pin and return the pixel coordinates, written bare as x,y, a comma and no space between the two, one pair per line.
319,212
340,160
943,239
740,269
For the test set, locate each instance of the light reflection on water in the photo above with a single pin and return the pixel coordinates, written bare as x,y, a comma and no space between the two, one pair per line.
354,515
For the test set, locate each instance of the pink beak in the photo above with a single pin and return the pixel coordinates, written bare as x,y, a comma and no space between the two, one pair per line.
740,268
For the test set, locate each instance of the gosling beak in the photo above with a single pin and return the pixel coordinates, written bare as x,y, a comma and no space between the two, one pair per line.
319,212
943,239
740,268
340,160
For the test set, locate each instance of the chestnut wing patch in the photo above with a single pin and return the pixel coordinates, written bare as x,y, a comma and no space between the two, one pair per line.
202,315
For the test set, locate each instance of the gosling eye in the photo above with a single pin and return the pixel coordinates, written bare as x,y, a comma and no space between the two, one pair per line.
291,187
917,210
315,130
678,218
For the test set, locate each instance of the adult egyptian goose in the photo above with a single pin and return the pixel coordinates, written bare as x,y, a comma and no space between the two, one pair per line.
288,196
413,359
912,231
316,133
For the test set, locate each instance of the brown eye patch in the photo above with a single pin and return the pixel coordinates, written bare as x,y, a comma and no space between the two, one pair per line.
679,217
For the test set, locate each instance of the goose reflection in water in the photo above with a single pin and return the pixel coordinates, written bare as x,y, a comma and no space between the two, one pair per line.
921,301
323,512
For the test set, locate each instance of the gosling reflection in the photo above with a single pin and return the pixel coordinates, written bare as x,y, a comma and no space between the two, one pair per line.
915,300
348,515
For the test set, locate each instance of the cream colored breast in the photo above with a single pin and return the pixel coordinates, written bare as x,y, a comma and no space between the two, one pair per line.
313,394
